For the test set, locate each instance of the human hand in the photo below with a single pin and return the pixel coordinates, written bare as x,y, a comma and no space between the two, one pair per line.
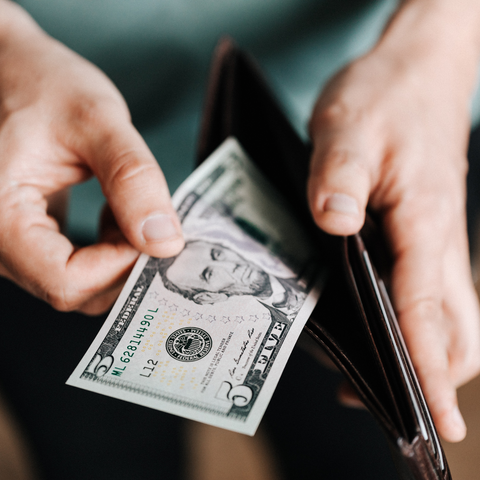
391,131
62,121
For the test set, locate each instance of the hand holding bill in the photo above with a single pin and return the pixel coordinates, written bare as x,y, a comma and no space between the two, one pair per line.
62,121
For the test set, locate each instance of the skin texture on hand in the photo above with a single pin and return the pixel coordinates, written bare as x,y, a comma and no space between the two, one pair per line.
62,121
391,131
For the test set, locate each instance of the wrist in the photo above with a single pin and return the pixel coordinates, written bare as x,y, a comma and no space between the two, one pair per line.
440,37
21,42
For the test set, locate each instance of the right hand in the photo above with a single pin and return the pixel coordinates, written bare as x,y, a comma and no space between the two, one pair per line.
62,121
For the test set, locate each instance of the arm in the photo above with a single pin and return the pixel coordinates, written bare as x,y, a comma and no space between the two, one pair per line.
391,130
62,121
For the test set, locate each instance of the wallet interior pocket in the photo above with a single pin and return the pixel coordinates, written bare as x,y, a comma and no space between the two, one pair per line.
337,324
380,339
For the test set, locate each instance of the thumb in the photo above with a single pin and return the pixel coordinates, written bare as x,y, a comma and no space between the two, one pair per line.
136,190
339,183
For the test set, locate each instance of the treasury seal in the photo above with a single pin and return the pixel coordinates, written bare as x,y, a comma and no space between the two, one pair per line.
188,344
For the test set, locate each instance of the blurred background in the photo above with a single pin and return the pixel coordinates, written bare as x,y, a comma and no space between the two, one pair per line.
50,431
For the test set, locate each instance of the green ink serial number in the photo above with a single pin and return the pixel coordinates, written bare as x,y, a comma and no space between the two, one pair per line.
134,344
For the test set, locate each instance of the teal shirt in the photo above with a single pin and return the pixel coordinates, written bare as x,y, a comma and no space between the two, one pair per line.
157,52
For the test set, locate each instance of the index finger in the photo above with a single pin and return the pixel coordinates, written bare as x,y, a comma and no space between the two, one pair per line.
133,184
418,283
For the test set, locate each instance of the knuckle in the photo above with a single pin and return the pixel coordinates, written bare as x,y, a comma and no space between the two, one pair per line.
331,113
95,112
429,214
91,111
466,362
427,309
128,167
62,298
339,112
338,157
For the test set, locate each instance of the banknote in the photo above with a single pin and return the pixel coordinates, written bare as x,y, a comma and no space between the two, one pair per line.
207,334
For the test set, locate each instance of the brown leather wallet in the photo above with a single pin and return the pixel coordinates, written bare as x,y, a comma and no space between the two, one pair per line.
353,321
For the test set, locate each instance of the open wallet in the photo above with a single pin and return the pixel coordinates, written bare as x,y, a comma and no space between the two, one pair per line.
354,321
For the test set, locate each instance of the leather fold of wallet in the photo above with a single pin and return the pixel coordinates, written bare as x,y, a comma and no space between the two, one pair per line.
354,321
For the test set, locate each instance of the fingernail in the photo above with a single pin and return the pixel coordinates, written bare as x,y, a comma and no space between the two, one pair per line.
458,420
341,203
159,227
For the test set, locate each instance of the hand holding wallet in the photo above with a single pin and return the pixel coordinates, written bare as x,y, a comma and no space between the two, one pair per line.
354,321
